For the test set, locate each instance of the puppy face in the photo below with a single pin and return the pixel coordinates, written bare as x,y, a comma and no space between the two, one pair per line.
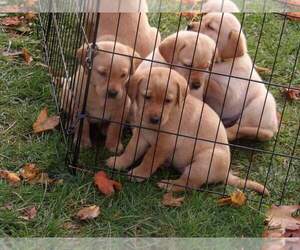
190,50
110,73
157,96
225,29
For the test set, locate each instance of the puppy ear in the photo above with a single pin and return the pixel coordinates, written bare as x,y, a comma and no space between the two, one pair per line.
133,84
167,47
135,61
182,90
81,54
236,45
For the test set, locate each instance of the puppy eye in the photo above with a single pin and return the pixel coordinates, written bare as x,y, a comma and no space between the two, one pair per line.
102,73
167,101
195,86
210,27
147,97
123,75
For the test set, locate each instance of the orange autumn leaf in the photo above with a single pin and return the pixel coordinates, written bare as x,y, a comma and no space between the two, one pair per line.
10,21
105,185
29,213
26,56
11,177
88,213
45,123
236,199
29,171
170,201
292,94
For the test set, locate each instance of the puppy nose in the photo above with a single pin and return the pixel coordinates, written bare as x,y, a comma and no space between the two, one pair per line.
195,85
155,119
112,93
189,27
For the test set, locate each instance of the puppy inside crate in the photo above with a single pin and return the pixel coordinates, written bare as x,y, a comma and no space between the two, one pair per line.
165,107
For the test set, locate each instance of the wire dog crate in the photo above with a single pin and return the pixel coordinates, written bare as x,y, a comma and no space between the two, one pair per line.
273,42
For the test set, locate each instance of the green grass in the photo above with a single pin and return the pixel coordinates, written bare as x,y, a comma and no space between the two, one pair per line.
136,210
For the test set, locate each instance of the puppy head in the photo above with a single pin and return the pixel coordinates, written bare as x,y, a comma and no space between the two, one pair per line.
157,94
110,72
190,50
225,29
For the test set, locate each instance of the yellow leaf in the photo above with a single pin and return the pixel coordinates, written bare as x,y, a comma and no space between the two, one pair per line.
29,171
27,56
11,177
236,199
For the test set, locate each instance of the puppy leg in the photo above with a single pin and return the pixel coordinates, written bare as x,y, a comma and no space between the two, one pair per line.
154,158
113,138
85,137
249,132
134,150
202,170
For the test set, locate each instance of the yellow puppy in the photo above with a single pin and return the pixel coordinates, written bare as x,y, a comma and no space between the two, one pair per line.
165,108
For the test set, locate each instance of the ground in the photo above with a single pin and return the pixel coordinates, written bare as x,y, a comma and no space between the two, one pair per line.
137,210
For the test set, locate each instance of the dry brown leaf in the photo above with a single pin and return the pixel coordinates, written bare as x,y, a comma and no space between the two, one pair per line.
30,16
29,213
292,94
45,123
11,21
105,185
88,213
169,200
27,56
263,70
281,218
29,171
42,178
11,177
237,199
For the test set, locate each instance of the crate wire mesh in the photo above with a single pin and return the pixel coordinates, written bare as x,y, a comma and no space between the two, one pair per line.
64,33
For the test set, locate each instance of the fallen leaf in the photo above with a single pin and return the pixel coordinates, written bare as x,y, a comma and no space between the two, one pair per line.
263,70
29,213
45,123
30,16
280,217
27,56
42,178
237,199
29,171
292,94
11,177
105,185
88,213
169,200
11,21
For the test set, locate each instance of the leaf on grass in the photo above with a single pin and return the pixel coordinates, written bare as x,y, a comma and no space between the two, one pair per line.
88,213
263,70
11,21
105,185
27,56
169,200
280,217
29,171
30,16
29,213
11,177
237,199
292,94
45,123
295,16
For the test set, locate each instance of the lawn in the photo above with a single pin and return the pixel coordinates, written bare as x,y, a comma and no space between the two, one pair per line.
137,209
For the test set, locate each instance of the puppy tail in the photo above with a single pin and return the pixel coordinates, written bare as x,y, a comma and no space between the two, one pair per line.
241,183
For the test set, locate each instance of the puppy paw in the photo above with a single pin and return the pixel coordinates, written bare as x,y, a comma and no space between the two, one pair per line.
116,149
138,174
117,162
